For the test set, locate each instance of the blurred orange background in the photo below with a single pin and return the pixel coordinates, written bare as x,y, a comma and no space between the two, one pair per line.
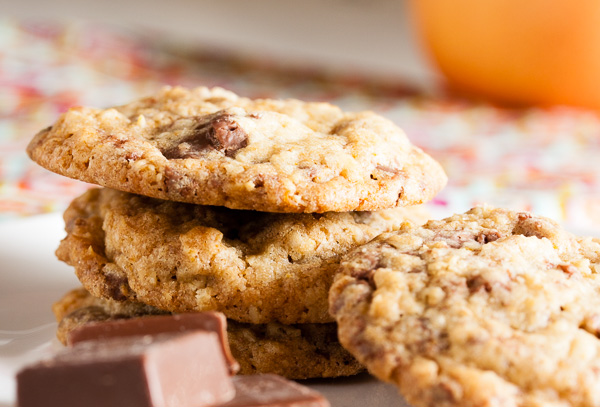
521,52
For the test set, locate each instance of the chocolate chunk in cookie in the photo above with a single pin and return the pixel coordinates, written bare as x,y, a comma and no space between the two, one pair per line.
219,131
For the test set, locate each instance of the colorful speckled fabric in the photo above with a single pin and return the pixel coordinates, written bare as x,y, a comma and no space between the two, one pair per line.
543,160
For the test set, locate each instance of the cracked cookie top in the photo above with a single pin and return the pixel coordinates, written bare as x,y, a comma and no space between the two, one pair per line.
211,147
487,308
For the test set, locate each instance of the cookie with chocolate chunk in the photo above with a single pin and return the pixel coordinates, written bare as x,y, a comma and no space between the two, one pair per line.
488,308
295,351
255,267
211,147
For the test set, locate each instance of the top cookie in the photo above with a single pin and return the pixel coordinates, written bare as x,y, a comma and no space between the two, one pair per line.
488,308
211,147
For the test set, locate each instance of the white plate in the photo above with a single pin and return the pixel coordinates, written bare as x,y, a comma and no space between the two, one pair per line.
32,279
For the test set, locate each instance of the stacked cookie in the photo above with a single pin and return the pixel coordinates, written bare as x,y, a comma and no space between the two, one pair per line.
216,202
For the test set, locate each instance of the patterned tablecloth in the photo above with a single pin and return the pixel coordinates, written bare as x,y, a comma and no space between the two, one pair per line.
544,160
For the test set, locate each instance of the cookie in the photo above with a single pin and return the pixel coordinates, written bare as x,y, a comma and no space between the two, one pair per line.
211,147
255,267
487,308
295,351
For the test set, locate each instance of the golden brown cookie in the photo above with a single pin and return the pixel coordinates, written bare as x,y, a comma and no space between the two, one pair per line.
211,147
294,351
254,267
488,308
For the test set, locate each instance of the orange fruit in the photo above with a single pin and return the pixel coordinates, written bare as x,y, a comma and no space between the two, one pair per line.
521,52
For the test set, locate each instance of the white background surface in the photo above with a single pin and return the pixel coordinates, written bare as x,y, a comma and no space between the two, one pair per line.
32,279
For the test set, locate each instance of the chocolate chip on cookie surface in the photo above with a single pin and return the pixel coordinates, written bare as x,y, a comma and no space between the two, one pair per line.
255,267
211,147
488,308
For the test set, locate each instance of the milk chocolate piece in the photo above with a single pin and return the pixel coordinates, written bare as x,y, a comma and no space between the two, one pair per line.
226,135
153,325
269,390
219,131
166,370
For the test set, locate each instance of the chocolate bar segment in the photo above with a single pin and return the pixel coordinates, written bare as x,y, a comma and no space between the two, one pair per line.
153,325
166,370
269,390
